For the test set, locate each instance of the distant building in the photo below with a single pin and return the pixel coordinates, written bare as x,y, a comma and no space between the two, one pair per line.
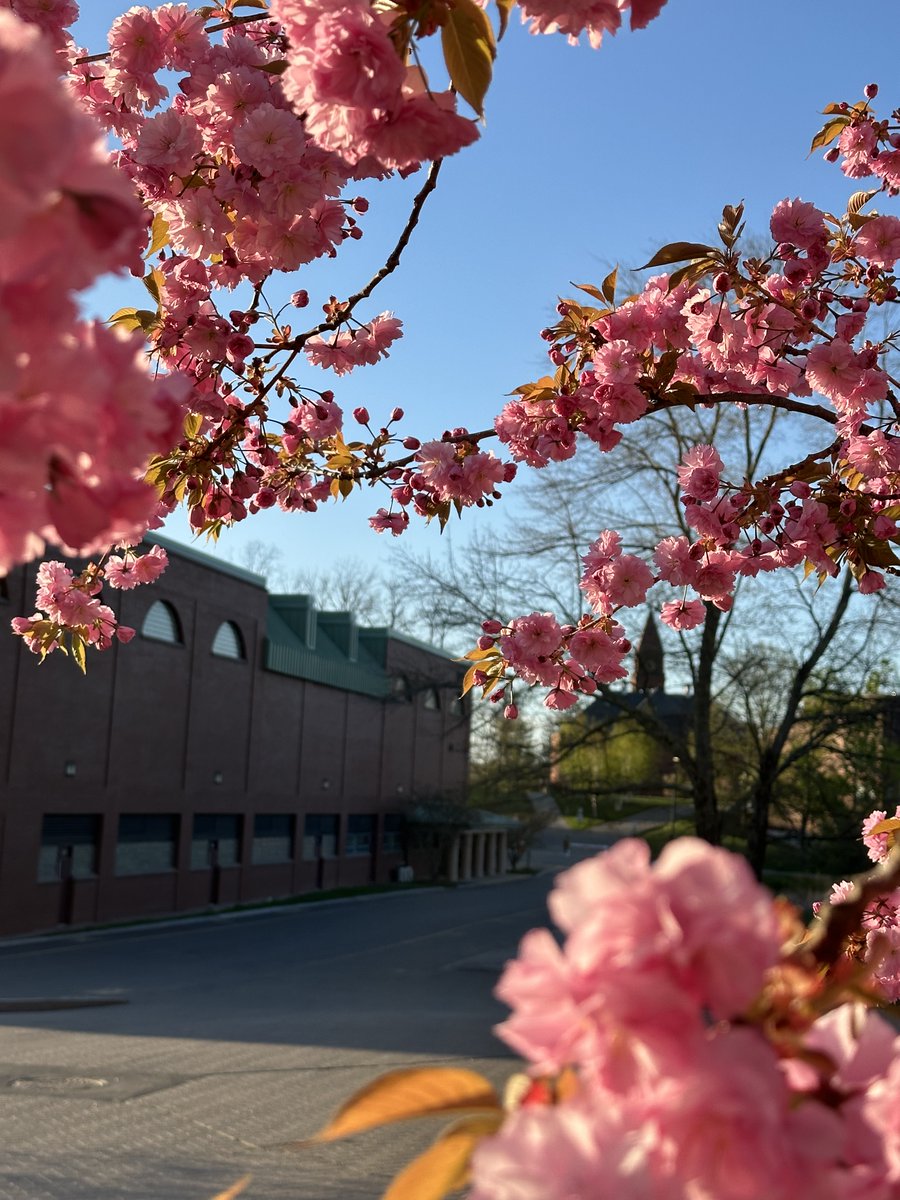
607,748
242,746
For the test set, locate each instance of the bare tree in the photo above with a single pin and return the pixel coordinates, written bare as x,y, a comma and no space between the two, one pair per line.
829,631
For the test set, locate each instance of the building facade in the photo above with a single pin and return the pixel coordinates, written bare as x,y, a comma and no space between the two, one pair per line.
242,746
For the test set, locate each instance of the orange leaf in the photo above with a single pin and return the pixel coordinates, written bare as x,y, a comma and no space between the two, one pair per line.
408,1093
890,826
444,1167
234,1190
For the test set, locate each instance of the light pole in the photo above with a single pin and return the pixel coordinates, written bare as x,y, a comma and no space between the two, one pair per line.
676,763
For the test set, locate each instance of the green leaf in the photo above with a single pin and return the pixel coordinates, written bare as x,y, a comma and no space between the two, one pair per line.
78,654
829,131
678,252
467,39
126,317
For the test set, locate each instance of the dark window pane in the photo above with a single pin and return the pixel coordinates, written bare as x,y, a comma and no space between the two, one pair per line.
320,834
360,834
216,840
69,847
273,838
147,843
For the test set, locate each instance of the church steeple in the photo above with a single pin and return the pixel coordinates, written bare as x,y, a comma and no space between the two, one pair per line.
649,674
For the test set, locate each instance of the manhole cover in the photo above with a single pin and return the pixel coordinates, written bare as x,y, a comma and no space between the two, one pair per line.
67,1083
29,1080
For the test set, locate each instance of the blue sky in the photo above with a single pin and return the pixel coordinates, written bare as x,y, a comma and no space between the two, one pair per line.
589,158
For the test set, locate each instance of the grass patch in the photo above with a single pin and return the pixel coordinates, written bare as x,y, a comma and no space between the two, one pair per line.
612,808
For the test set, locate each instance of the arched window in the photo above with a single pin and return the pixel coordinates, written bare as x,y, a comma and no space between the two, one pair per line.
161,623
228,642
432,699
459,706
400,688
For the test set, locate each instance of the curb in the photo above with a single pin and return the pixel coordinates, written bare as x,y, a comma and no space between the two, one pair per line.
83,933
58,1003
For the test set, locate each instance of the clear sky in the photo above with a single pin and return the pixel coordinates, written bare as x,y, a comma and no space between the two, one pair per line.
589,158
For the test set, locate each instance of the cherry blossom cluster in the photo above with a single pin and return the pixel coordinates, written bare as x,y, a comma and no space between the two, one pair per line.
685,1043
71,616
361,100
236,138
878,940
780,331
594,17
80,415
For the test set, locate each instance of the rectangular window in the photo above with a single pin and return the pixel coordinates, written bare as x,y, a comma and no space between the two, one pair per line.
320,835
147,844
360,834
392,840
273,839
216,840
69,847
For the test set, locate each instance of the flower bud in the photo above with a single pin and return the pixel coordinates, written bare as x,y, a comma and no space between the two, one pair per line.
361,415
511,712
396,414
870,91
300,299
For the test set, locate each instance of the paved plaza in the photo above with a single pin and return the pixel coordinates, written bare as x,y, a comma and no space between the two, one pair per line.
240,1035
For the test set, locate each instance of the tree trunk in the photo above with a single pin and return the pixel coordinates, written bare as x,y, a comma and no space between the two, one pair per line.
706,804
758,832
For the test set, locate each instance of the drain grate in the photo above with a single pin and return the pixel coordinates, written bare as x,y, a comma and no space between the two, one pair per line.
17,1079
67,1083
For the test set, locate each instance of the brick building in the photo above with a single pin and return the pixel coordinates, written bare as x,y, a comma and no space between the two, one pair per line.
242,746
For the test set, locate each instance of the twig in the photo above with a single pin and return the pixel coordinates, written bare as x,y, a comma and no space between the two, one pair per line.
390,265
838,922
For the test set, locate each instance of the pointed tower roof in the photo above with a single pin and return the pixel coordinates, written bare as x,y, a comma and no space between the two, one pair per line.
649,673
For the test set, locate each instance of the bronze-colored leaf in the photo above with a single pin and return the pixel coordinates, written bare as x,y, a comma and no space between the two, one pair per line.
590,288
891,825
859,199
608,286
405,1094
444,1166
504,7
678,252
467,39
829,131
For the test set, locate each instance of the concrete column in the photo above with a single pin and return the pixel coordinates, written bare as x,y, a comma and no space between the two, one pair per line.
494,853
453,861
480,841
502,853
465,870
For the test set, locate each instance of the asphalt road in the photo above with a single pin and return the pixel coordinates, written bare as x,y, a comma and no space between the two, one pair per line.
240,1035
